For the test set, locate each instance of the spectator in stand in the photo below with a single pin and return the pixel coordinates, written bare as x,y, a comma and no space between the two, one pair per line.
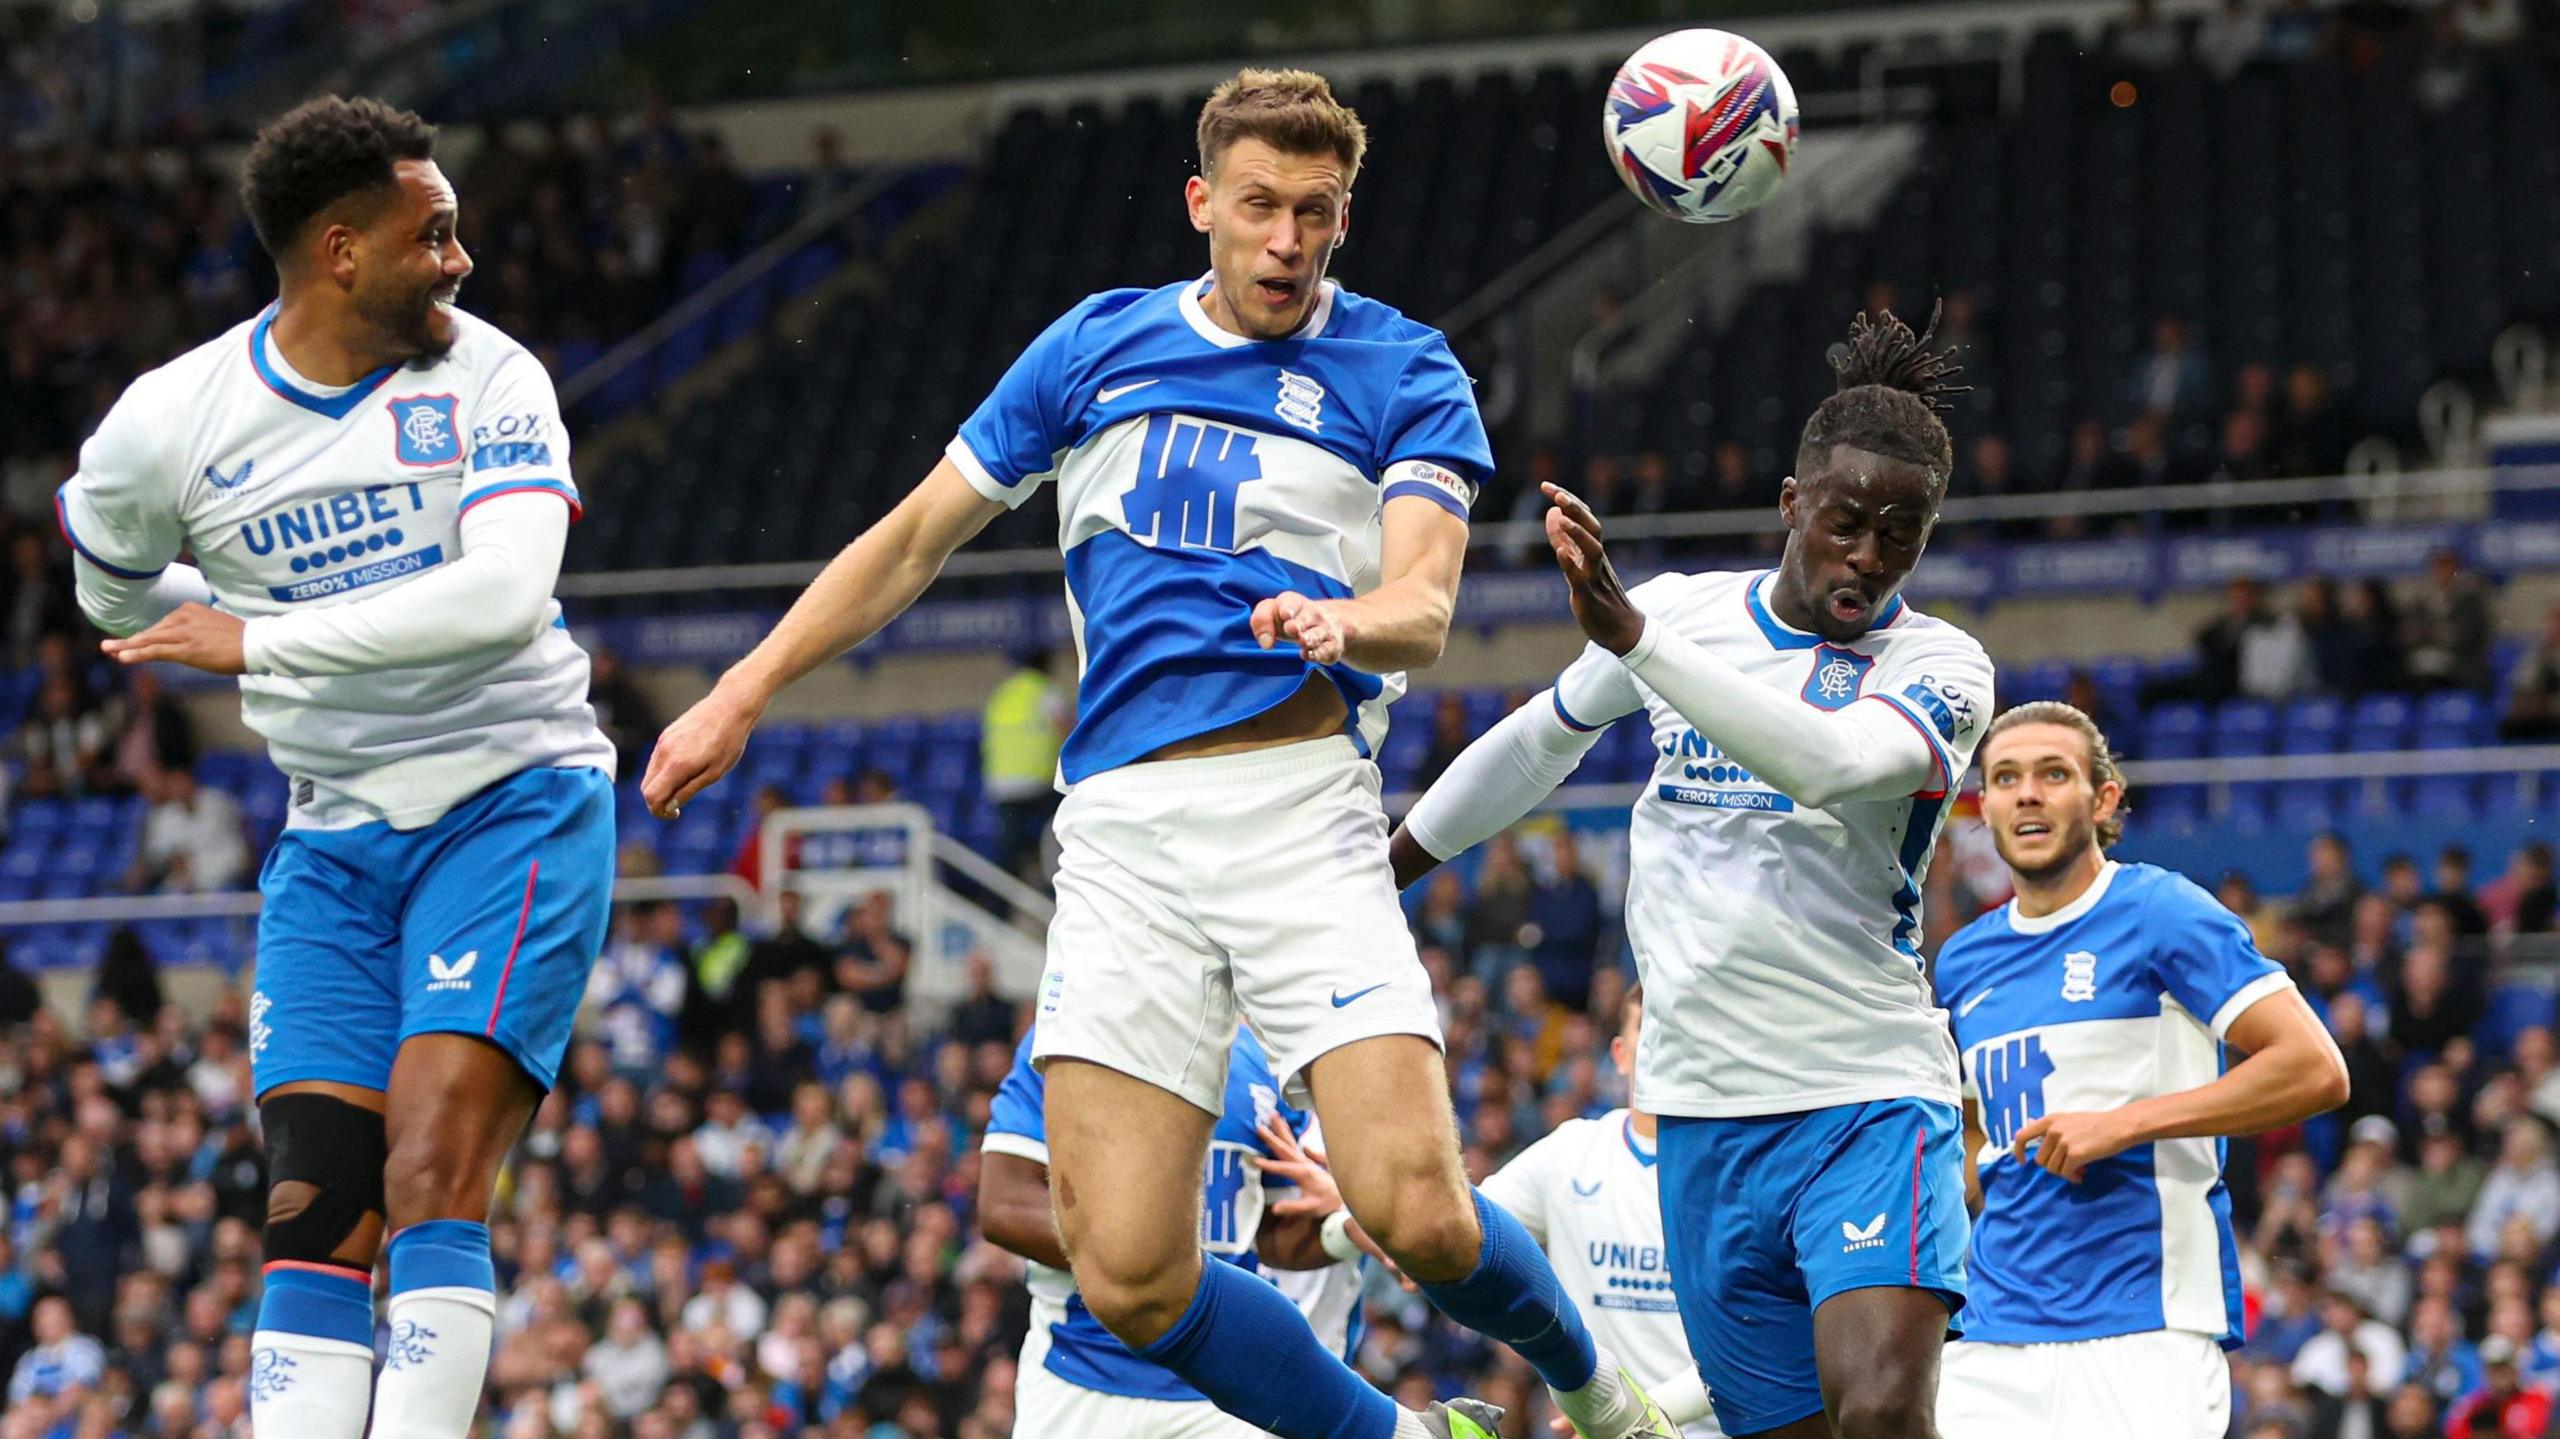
2372,621
62,1368
872,956
2501,1406
2447,626
2344,1326
2369,1272
2523,1184
2173,381
1020,731
983,1016
715,1002
748,862
1565,908
194,839
637,988
2275,656
790,950
2332,641
2532,709
2524,900
623,710
2448,1183
2452,894
152,733
2326,906
2311,438
1449,737
2429,1012
1498,910
63,745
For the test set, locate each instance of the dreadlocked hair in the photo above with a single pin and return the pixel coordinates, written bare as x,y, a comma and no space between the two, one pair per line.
1893,387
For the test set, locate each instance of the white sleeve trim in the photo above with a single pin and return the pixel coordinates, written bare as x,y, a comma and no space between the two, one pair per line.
2249,994
980,478
1019,1146
1499,778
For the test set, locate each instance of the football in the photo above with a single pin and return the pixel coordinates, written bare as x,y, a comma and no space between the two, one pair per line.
1701,125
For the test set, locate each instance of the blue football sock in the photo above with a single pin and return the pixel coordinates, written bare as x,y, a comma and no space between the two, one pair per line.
1243,1344
1513,1296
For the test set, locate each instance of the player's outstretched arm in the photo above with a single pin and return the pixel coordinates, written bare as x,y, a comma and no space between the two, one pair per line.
869,583
1816,757
1489,786
121,606
1403,624
2293,1072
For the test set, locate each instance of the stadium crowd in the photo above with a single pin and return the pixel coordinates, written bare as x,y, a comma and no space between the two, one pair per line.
112,262
747,1211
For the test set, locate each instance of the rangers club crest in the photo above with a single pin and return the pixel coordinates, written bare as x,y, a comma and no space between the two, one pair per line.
423,431
1838,675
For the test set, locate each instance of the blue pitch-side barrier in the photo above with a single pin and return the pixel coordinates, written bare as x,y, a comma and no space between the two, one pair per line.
1980,574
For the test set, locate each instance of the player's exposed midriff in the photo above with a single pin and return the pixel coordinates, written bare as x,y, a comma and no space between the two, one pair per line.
1314,712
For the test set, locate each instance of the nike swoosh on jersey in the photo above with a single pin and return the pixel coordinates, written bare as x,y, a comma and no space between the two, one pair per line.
1108,393
1970,1005
1340,999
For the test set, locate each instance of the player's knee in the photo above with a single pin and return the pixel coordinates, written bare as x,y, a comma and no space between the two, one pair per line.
325,1177
1137,1295
430,1175
1431,1232
1880,1407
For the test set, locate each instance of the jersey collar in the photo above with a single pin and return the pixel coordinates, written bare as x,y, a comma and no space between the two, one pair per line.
1226,339
2087,901
1784,636
337,406
1636,1146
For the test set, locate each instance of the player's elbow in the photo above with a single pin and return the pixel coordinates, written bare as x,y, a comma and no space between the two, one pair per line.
2329,1086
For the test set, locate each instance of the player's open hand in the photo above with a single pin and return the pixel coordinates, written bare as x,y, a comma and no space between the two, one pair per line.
1318,1196
2068,1143
197,636
703,744
1317,627
1600,603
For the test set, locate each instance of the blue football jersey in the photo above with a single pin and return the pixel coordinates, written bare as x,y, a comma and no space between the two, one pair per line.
2123,994
1199,473
1081,1351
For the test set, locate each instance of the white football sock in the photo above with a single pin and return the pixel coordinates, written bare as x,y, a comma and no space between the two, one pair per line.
305,1387
435,1364
1603,1407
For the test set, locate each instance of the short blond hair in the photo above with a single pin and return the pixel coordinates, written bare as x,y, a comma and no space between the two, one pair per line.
1292,111
2102,760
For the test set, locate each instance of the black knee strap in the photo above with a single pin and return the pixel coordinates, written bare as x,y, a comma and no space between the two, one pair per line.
339,1150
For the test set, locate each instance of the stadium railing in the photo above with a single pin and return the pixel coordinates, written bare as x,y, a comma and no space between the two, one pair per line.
950,901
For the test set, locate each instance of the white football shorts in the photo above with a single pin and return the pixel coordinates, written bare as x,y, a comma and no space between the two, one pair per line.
2164,1384
1192,891
1048,1407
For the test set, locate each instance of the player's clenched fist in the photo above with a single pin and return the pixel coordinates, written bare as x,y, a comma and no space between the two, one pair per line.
194,635
702,745
1320,632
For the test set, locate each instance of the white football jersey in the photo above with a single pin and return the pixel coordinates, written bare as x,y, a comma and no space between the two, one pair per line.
1587,1192
1779,944
289,494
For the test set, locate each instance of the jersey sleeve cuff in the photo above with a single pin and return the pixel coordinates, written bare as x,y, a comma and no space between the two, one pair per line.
2248,994
1018,1146
62,520
1937,752
530,484
1566,715
980,478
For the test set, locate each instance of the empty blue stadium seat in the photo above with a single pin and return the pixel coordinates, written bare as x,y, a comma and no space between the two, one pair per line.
2452,719
2379,722
2244,727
